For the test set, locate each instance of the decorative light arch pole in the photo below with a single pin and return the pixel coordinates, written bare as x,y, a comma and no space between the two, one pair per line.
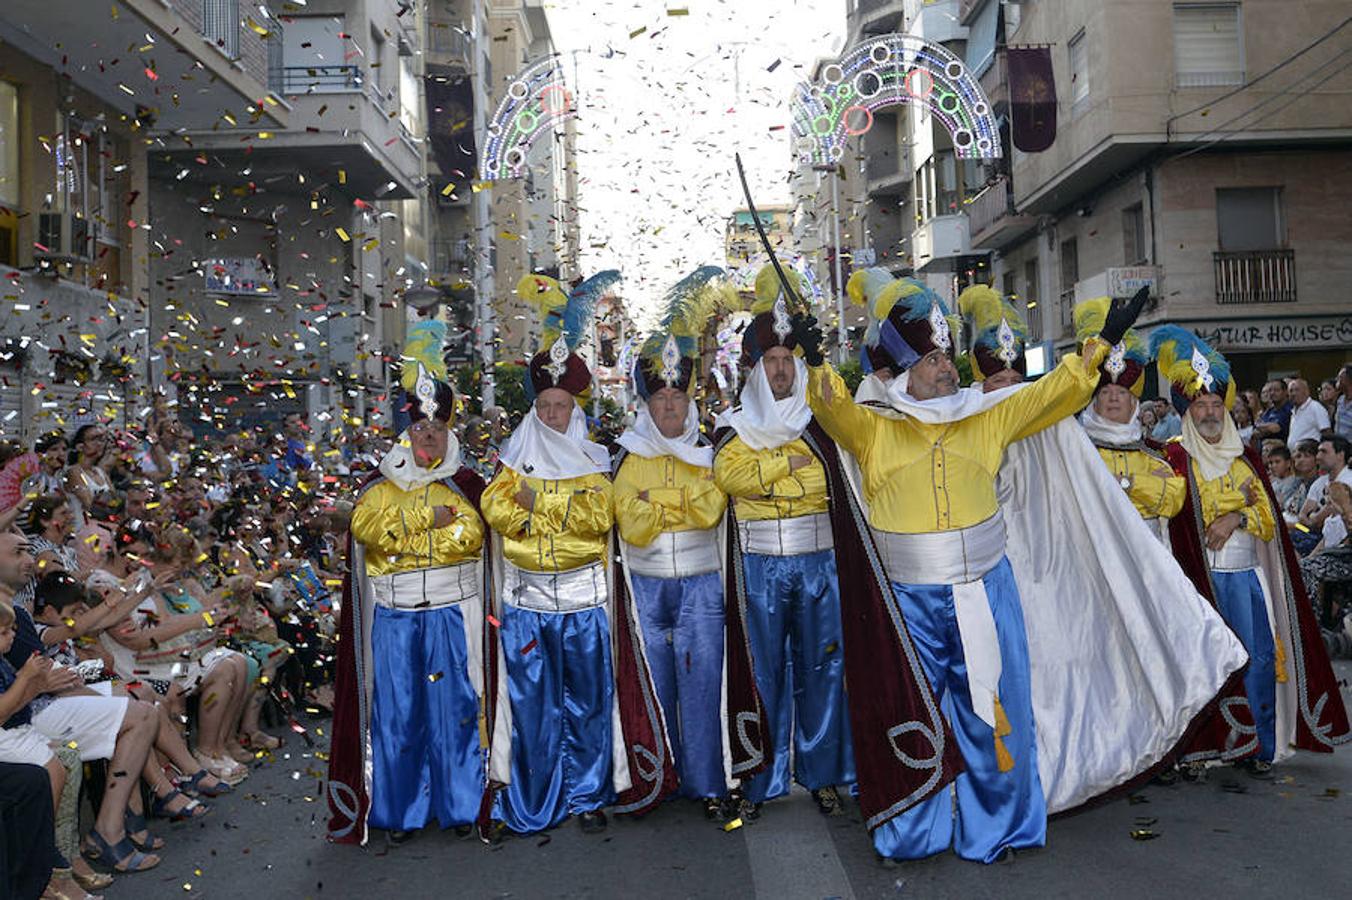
890,70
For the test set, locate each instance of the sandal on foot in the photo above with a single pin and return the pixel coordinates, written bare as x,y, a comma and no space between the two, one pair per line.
238,753
120,857
193,809
261,740
227,770
194,786
134,824
94,881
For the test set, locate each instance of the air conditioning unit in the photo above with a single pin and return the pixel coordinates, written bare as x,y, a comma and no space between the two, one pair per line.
63,236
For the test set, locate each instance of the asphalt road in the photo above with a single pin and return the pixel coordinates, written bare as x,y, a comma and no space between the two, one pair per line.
1231,836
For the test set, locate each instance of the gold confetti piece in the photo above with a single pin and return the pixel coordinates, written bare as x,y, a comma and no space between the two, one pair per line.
68,622
733,825
678,12
477,186
1143,834
264,135
370,245
434,677
342,176
256,28
446,191
634,34
74,745
342,235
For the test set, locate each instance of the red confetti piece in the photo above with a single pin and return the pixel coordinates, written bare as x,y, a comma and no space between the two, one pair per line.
529,647
493,620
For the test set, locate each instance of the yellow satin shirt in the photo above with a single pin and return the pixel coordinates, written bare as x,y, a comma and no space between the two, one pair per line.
681,497
567,528
1223,495
395,528
921,478
761,485
1154,496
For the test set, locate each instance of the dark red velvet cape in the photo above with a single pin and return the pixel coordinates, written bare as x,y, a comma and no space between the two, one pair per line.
1321,720
904,751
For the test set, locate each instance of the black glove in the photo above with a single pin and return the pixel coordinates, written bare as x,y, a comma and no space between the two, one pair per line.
1122,315
809,337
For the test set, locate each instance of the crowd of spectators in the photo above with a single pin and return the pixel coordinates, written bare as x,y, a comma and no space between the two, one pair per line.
167,612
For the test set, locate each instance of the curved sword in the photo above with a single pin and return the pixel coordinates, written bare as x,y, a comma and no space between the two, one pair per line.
792,299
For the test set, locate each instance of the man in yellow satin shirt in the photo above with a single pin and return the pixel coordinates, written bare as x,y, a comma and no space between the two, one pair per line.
789,585
550,507
929,482
418,585
667,511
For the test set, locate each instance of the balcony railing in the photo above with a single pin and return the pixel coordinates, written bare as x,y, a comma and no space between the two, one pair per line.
314,79
1033,314
1255,276
447,40
1066,303
990,205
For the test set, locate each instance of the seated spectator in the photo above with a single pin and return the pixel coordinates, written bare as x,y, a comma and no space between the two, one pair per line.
51,530
28,853
51,451
1290,490
1332,460
23,744
88,484
1331,561
99,727
1275,419
1170,425
169,644
1305,461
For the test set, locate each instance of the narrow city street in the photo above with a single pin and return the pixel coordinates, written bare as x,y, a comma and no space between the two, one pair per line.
1232,836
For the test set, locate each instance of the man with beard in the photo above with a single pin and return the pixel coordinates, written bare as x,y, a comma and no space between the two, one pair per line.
788,592
1233,544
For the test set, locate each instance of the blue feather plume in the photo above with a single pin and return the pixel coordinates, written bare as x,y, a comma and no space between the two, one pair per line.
581,308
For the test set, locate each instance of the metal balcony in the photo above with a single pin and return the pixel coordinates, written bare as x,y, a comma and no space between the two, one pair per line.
289,80
1255,276
995,223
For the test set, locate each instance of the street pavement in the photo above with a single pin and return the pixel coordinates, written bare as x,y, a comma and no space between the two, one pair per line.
1232,836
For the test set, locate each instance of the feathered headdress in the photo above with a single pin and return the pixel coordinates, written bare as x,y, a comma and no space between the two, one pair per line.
670,356
770,323
423,377
564,321
1191,365
1126,360
906,319
999,334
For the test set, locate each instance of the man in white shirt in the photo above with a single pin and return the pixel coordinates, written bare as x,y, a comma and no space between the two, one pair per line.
1333,453
1309,419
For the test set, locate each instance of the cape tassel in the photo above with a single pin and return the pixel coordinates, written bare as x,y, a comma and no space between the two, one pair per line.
1002,729
1281,659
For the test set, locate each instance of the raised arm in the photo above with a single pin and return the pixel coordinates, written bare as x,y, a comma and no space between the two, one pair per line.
1064,392
849,424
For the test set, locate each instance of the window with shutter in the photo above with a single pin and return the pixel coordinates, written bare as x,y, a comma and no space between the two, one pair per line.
1208,44
1079,68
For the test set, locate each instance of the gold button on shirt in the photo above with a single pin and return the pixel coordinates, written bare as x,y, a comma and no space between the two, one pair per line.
1225,495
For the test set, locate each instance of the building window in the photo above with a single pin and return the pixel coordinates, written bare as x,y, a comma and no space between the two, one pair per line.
1133,236
1079,68
1007,285
1250,219
1030,298
410,101
1070,273
1208,44
313,57
9,144
220,25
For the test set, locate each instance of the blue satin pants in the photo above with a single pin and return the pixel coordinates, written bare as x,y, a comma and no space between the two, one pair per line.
682,622
793,624
561,685
1239,596
995,809
426,758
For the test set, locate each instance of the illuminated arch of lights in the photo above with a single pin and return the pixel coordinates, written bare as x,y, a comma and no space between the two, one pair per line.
891,70
536,100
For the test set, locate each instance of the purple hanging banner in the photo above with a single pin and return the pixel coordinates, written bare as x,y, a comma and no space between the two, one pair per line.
1032,98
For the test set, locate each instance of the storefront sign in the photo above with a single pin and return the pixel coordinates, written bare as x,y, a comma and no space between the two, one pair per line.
1126,281
1294,334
